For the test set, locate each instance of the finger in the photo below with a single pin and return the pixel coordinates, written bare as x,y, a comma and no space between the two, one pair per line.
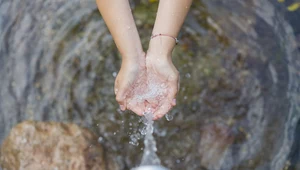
137,110
151,104
121,92
162,110
121,99
116,87
123,107
136,107
172,93
173,102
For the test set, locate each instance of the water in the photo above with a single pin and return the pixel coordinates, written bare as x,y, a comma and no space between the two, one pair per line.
169,117
149,156
150,160
146,131
238,105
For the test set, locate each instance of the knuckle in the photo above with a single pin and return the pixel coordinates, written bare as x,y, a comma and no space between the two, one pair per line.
117,81
174,76
119,98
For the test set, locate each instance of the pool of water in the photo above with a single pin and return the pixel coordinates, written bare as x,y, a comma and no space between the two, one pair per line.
239,101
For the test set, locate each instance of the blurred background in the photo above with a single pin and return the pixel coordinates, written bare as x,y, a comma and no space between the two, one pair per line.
239,101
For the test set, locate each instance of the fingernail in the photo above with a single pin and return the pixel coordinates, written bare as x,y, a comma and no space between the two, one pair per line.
122,107
174,102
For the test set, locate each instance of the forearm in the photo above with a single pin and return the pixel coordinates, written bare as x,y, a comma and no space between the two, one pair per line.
170,17
119,20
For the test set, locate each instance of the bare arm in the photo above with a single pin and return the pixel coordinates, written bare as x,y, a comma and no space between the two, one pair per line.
133,74
119,20
170,17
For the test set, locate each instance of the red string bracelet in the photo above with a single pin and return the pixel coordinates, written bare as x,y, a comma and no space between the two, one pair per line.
156,35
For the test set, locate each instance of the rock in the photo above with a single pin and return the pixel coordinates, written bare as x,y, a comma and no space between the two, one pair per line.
215,139
51,146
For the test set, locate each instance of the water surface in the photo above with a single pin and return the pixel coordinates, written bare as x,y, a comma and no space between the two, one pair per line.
239,101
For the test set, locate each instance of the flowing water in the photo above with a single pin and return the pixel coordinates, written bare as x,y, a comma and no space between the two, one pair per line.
239,100
150,149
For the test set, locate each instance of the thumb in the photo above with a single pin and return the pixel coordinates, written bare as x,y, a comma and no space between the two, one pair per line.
173,90
121,93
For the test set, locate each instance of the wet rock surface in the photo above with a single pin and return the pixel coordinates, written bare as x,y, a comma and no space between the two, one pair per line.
40,145
215,140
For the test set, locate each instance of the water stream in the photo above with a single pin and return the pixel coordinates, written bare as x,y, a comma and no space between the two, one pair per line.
239,100
150,149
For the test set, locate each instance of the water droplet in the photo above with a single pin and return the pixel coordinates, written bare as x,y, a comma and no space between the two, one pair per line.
129,27
144,130
185,97
188,75
178,161
119,111
150,129
140,120
169,117
134,139
130,124
162,133
115,133
163,85
114,74
134,143
100,139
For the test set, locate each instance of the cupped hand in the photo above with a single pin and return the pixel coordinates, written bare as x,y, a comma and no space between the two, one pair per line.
163,84
147,85
130,84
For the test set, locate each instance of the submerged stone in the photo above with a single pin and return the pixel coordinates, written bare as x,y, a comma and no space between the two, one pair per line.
50,145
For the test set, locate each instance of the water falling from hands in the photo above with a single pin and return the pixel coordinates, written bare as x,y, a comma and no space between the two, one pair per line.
149,157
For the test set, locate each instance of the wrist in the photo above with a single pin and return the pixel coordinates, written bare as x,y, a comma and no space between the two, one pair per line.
157,58
133,60
133,57
162,46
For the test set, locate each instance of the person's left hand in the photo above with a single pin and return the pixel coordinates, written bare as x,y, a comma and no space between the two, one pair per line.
163,84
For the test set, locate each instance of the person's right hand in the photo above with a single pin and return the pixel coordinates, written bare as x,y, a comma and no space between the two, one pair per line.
131,82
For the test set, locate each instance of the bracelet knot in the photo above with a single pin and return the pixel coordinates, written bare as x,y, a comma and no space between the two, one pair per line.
166,35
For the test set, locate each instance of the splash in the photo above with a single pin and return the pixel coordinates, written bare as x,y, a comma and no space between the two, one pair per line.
149,157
